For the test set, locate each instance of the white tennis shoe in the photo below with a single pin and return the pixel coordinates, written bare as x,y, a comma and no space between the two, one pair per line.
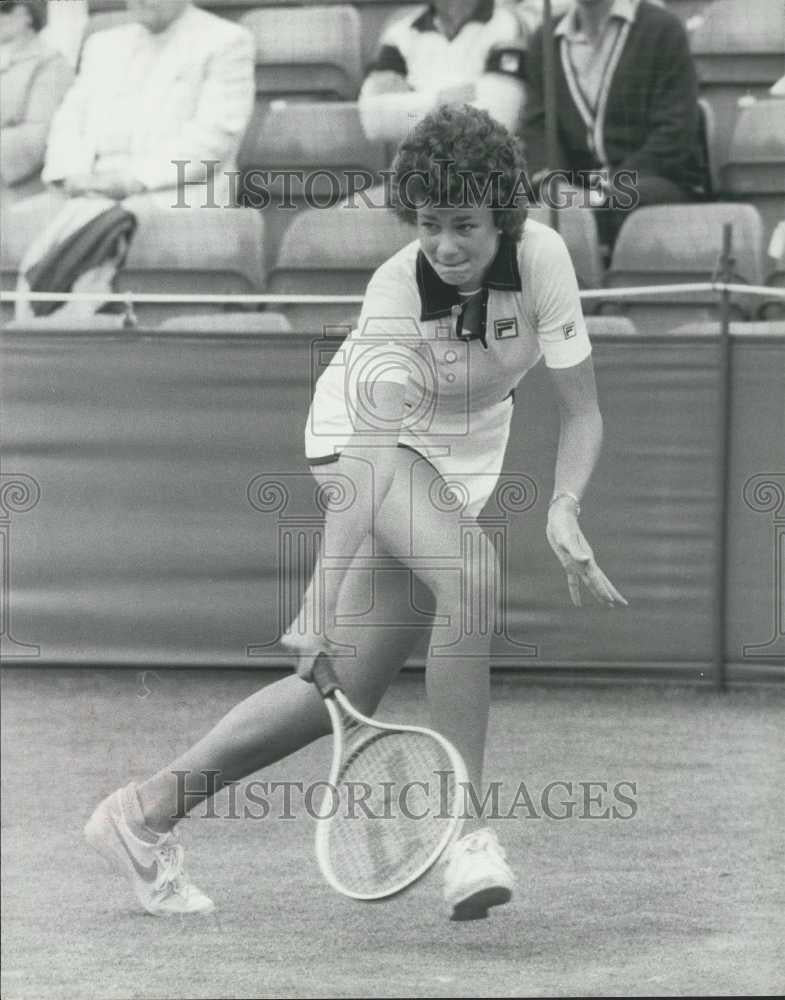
153,863
476,876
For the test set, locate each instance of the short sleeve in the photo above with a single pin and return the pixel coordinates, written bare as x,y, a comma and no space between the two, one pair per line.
509,60
550,275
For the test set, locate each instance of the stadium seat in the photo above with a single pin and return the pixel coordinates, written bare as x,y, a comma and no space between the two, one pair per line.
235,9
774,308
678,244
578,228
685,9
334,251
18,228
777,278
96,323
307,52
374,15
736,41
226,8
738,50
324,140
755,168
111,13
775,328
771,309
105,18
226,323
17,232
215,251
614,326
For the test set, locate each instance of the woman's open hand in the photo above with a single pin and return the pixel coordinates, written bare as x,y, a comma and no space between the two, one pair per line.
576,556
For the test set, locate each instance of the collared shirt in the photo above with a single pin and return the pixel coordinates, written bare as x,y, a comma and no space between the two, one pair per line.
417,48
408,332
590,59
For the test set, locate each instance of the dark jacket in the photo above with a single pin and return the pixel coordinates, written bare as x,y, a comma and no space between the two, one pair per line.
100,240
651,121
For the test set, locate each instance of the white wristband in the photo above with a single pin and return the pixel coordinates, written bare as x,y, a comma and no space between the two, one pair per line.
571,496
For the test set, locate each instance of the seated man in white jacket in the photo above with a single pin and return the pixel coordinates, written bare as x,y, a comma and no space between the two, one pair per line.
153,121
176,84
452,51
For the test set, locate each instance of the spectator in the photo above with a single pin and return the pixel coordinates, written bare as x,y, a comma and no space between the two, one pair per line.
177,84
33,81
452,51
529,14
626,99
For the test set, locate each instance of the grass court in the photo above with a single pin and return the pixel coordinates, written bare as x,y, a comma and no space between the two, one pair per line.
685,897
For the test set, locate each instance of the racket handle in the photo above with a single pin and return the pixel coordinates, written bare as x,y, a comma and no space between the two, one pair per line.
324,677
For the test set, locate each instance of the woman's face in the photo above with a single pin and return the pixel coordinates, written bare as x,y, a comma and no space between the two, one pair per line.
460,243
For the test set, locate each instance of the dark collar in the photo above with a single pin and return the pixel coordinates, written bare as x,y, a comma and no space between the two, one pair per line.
483,12
437,297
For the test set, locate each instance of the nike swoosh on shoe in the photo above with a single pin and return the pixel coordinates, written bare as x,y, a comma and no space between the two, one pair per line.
148,873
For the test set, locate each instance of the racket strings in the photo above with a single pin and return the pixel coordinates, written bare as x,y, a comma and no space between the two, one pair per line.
391,810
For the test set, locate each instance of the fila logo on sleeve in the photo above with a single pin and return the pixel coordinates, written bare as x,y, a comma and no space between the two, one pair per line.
504,328
510,62
569,330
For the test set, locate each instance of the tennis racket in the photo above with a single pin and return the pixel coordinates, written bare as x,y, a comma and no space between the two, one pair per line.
393,802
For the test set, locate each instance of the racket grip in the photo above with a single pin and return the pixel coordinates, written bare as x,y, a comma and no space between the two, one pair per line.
324,677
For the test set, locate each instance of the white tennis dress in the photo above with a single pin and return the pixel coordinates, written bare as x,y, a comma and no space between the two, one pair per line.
459,395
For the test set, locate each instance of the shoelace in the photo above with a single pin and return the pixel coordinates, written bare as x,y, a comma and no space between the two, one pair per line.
170,868
480,841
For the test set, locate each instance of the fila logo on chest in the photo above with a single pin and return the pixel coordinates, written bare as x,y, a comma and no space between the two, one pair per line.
505,328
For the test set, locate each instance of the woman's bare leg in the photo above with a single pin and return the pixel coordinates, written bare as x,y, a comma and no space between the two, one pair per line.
288,714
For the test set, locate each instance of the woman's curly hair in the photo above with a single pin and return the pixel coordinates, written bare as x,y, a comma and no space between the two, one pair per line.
461,157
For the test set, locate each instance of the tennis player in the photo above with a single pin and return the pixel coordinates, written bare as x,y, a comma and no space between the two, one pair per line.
414,408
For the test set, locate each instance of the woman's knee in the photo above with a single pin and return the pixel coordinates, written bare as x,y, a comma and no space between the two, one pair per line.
365,697
476,577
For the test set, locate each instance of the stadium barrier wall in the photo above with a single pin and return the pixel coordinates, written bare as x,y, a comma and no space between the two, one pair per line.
154,494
